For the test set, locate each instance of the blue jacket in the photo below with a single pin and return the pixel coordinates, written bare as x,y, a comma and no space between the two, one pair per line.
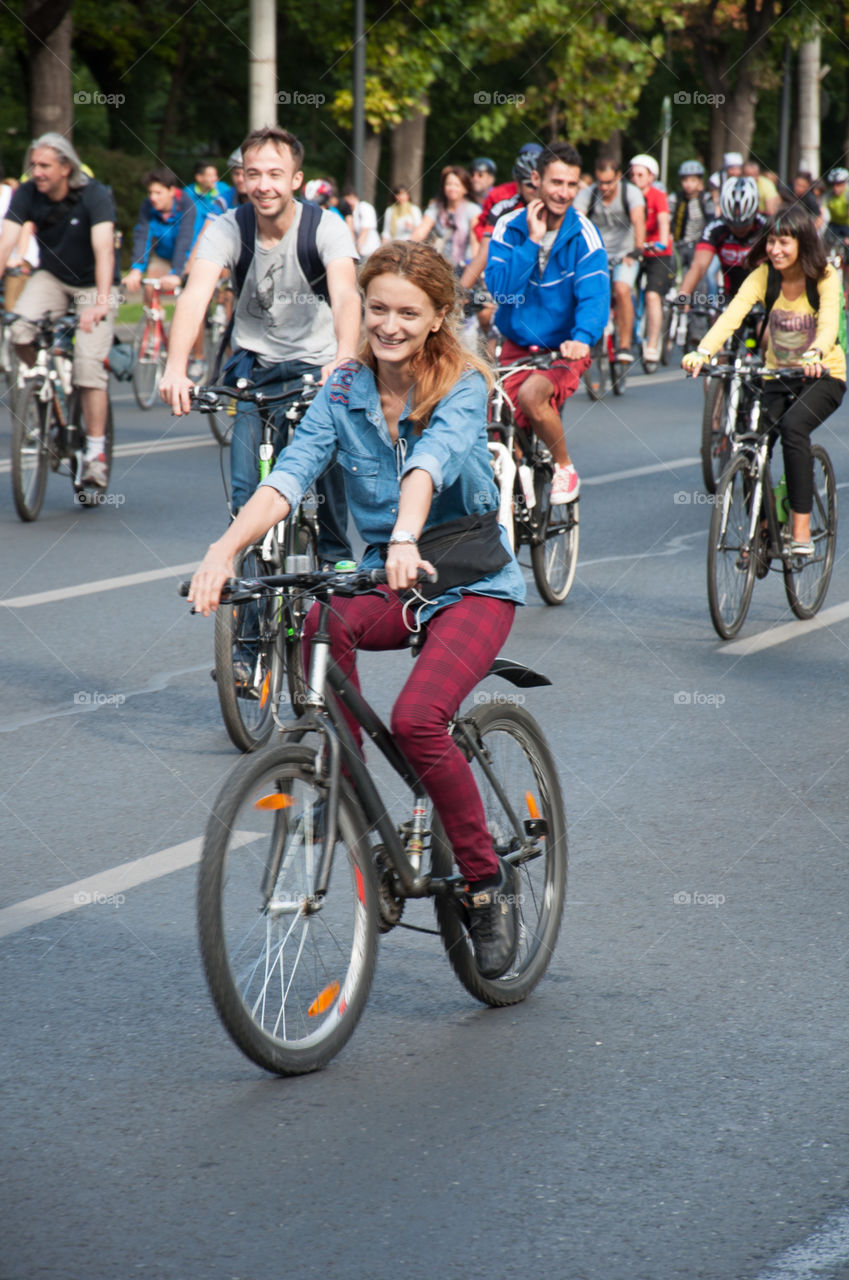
346,422
167,235
569,301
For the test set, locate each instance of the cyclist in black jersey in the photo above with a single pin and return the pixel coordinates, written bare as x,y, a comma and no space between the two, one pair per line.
730,237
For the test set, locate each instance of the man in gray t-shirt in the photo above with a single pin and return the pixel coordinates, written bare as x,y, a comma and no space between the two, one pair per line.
618,210
281,327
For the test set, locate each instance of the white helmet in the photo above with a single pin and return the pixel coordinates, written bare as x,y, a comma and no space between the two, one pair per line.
648,162
738,201
838,175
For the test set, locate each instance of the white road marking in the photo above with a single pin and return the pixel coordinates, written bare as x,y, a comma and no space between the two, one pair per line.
788,631
106,887
98,889
675,465
101,584
820,1255
136,449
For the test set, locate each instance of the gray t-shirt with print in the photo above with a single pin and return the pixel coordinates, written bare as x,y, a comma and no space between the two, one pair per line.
612,220
277,316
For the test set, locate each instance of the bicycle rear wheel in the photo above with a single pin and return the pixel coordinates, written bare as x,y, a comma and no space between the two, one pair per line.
248,659
806,580
732,553
289,970
30,461
595,378
555,559
89,497
515,749
716,441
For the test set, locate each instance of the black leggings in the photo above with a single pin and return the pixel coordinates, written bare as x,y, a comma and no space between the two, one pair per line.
796,414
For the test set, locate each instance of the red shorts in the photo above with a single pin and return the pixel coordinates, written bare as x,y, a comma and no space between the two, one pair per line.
564,376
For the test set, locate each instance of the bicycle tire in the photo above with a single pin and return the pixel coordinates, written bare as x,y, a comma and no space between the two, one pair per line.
715,450
87,496
595,378
669,323
147,373
30,462
554,561
618,376
289,975
523,765
220,424
249,633
806,581
732,557
304,543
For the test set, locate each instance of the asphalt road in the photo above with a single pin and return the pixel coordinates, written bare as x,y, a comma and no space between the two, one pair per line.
670,1104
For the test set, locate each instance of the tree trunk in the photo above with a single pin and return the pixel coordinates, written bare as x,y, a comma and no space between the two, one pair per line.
407,146
50,77
371,165
175,89
739,116
809,106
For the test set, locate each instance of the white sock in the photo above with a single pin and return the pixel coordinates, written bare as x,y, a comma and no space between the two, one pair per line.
93,447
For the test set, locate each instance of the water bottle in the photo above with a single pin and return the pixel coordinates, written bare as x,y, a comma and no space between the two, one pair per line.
781,507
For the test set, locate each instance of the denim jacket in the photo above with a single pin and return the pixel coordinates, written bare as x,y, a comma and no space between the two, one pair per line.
345,423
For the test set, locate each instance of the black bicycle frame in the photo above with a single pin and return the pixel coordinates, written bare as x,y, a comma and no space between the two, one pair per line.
338,736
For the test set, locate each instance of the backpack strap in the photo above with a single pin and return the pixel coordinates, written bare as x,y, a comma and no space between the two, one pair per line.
246,222
773,289
308,255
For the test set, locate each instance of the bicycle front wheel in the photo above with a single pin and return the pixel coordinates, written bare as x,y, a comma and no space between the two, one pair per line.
522,766
732,550
147,372
555,559
248,659
806,580
30,461
716,442
289,969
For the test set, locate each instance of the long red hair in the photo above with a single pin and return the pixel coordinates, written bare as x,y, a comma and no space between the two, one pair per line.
443,359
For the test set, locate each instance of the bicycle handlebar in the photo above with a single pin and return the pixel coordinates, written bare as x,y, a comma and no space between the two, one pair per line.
754,375
340,582
207,399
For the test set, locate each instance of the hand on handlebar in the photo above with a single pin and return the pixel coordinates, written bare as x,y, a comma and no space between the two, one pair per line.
403,564
573,350
175,390
213,572
692,363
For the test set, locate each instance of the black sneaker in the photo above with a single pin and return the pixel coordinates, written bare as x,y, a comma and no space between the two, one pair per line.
493,922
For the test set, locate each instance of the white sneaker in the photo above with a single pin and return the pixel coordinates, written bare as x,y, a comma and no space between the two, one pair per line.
565,486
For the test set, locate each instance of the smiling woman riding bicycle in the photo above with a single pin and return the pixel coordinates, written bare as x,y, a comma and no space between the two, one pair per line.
802,297
407,423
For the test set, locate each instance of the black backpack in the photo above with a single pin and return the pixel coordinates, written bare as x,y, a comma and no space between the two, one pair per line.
594,199
307,248
308,260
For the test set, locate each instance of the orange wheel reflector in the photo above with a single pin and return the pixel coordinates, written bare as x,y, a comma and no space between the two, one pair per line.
533,809
266,685
277,800
361,888
323,1000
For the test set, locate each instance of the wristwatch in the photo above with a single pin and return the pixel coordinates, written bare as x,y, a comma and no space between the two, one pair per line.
402,535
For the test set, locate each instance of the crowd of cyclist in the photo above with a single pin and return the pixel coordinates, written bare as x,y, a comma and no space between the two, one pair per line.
396,437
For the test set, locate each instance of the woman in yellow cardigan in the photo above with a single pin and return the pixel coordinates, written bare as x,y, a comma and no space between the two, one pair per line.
799,335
